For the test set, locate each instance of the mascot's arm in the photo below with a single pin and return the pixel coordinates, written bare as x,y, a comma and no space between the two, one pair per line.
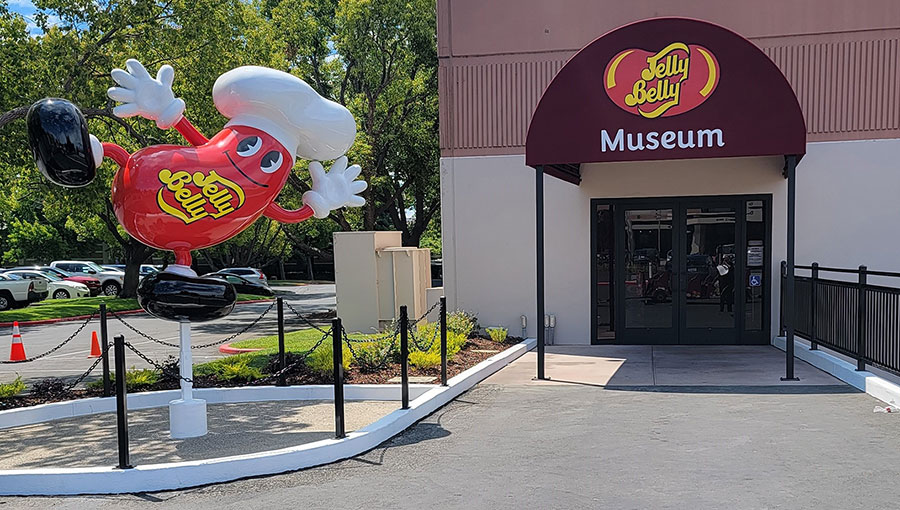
151,98
280,214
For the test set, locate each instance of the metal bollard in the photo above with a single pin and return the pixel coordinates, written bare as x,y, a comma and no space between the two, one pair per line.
813,310
281,360
337,355
781,329
121,403
443,341
404,358
861,320
107,384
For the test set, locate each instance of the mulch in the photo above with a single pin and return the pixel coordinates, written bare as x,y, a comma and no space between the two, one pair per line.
298,375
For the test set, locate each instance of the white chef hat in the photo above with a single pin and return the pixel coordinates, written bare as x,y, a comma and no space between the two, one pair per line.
286,108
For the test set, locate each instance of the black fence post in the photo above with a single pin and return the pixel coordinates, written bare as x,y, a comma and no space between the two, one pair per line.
443,341
337,355
861,321
281,361
404,358
813,308
121,403
781,328
107,385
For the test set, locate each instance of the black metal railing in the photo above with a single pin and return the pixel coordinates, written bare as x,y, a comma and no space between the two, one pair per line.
853,317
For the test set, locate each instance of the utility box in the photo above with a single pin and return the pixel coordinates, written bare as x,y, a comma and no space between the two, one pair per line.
375,275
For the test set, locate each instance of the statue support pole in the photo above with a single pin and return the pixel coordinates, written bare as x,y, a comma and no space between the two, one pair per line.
187,415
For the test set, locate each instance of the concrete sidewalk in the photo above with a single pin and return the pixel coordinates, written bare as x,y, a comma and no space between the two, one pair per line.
234,429
626,366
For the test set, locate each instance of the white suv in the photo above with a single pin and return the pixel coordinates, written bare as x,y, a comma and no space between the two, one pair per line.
251,273
110,281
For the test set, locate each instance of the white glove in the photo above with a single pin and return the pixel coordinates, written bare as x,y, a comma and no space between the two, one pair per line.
144,96
335,189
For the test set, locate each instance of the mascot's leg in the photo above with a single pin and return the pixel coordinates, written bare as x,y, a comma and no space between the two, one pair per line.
177,293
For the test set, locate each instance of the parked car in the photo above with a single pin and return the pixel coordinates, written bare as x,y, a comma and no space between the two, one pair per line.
110,281
93,284
241,284
16,292
56,286
146,269
249,273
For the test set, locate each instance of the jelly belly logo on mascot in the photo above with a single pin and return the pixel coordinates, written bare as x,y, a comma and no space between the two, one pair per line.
184,198
674,80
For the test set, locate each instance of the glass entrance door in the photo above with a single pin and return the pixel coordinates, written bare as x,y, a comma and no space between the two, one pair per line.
646,277
688,270
707,272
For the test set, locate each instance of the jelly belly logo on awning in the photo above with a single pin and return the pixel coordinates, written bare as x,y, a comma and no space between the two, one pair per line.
677,79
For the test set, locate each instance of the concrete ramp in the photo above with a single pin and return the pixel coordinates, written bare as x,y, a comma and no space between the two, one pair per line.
630,366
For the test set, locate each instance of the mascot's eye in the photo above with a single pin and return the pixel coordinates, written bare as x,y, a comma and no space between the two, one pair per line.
249,146
271,162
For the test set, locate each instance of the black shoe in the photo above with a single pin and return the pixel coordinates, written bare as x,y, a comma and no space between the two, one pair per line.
58,136
176,297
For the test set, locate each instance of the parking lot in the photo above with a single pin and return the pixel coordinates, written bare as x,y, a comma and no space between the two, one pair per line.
72,360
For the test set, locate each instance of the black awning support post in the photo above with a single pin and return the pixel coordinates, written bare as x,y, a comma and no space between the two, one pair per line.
790,164
539,252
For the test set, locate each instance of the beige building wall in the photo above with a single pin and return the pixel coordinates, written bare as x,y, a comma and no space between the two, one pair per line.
847,214
488,212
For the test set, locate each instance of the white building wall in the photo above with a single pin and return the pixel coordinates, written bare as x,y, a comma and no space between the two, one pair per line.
847,212
848,205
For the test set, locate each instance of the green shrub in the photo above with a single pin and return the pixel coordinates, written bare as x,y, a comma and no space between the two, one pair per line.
455,342
232,368
370,356
140,377
135,379
425,332
498,334
428,359
12,389
321,360
428,334
462,322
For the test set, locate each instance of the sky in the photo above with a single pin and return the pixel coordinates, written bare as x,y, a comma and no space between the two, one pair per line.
26,9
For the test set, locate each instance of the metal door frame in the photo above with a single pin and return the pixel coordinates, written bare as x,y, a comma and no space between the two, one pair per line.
679,333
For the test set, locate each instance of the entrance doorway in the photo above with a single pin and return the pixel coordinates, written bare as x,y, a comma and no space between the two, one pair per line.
681,270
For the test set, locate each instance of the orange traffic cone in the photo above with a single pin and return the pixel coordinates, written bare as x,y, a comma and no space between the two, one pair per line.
17,351
95,346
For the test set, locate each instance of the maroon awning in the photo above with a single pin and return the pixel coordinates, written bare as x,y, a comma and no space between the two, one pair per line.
664,88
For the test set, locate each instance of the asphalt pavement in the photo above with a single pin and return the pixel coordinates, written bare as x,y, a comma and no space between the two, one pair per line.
576,446
71,360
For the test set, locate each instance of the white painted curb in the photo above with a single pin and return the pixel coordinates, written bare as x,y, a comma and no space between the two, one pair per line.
868,382
147,400
176,475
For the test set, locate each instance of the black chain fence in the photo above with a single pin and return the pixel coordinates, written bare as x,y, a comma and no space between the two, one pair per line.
227,339
96,362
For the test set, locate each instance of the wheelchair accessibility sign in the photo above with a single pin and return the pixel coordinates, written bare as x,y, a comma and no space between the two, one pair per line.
756,280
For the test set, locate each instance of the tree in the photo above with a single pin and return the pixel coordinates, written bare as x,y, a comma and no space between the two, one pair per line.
378,58
257,246
72,59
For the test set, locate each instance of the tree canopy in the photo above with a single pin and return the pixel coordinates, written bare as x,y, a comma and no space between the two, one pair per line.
377,57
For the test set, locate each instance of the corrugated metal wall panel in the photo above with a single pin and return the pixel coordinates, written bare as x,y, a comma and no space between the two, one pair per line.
490,104
848,89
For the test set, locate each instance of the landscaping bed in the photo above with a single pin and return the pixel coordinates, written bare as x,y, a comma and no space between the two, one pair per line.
367,360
